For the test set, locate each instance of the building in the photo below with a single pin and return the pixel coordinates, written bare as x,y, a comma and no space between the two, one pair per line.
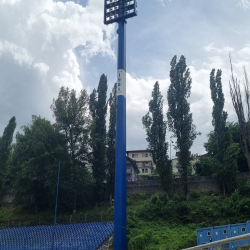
175,163
132,169
143,159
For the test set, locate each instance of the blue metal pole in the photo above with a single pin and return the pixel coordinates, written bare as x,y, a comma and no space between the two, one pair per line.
54,228
120,221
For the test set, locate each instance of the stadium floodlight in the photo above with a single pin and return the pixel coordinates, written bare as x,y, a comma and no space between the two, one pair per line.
117,11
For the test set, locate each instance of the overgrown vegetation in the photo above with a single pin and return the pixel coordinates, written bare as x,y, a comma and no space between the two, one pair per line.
153,221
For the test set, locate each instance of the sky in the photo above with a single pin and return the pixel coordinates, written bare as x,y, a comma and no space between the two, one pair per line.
46,44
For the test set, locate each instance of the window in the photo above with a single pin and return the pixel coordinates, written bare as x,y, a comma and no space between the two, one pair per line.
142,170
224,231
243,229
145,155
208,233
146,170
134,155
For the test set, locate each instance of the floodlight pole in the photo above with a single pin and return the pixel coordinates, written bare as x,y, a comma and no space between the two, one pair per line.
54,228
120,220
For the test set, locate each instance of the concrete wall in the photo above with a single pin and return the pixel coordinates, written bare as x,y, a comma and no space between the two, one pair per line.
202,183
7,196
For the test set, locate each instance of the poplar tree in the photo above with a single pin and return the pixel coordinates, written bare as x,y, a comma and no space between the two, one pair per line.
5,149
242,109
226,151
98,109
180,119
73,120
156,127
111,142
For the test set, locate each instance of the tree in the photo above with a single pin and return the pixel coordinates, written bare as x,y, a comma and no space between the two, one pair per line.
5,149
205,166
73,120
224,145
234,130
156,127
242,111
111,142
35,163
180,119
98,110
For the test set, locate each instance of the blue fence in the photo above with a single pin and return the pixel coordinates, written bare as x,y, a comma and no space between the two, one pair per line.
85,236
211,234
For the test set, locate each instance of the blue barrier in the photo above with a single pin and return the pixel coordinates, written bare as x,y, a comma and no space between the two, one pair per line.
85,236
237,230
223,232
203,235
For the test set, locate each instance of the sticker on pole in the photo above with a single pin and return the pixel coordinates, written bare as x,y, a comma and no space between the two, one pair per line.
231,246
121,82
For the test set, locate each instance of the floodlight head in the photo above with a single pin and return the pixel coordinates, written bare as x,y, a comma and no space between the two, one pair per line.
117,10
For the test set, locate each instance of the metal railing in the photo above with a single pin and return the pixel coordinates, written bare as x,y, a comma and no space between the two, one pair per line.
220,242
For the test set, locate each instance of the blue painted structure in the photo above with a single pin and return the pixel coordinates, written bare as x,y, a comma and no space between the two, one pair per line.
120,230
237,230
223,232
118,11
203,235
57,188
220,232
87,236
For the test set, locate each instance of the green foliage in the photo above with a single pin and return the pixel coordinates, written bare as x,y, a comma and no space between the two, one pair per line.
156,137
208,209
162,235
72,119
35,163
111,140
180,119
140,241
223,149
5,150
234,130
98,109
204,166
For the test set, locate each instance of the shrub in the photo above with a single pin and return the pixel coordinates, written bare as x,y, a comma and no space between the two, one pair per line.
140,241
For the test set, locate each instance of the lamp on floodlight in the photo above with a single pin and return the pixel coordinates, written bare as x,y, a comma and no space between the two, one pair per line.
117,10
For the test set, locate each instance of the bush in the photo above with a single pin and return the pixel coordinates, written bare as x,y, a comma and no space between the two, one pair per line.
140,241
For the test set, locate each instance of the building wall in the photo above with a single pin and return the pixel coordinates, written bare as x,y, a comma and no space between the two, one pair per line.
175,162
131,173
144,161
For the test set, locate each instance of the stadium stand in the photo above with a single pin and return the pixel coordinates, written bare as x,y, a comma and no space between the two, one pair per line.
84,236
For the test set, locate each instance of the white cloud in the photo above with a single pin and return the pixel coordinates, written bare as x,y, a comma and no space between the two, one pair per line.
245,52
213,49
20,55
244,4
162,2
37,41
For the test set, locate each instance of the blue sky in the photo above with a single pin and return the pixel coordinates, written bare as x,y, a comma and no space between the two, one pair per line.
48,44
